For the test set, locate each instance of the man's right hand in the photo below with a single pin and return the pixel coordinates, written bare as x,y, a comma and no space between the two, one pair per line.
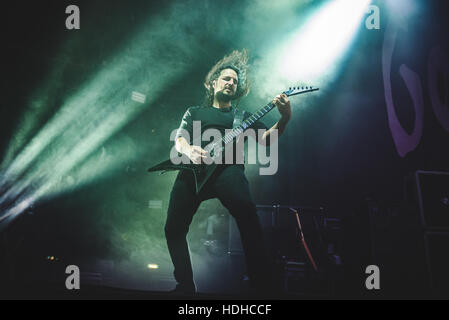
196,153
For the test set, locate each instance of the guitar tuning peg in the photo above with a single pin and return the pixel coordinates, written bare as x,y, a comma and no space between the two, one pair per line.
290,88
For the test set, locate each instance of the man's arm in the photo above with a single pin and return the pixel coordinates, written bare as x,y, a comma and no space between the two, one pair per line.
194,153
283,105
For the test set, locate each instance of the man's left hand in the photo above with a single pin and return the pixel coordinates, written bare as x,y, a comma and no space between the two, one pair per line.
283,104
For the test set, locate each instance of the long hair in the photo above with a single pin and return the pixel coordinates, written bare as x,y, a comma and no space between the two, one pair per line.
237,61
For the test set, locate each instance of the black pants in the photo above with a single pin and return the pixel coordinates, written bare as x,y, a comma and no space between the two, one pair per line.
231,187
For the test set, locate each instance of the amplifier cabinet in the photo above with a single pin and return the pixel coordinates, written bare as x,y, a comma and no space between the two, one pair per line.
433,199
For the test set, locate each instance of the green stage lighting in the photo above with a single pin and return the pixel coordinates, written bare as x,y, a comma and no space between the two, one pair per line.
314,52
96,112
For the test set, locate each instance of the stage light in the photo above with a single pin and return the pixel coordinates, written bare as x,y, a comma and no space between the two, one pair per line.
402,10
153,266
155,204
138,97
314,51
52,258
67,144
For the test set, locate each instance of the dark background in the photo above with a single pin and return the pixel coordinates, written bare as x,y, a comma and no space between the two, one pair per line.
337,153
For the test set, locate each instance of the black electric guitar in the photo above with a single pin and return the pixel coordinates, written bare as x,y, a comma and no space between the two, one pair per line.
202,172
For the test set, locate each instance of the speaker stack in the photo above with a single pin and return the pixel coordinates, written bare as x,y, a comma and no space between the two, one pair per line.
432,189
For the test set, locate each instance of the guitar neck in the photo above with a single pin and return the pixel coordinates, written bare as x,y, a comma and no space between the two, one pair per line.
256,116
234,133
229,137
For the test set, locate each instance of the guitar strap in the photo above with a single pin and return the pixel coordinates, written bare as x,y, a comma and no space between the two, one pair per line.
238,118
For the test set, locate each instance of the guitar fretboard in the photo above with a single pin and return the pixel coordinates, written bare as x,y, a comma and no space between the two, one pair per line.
234,133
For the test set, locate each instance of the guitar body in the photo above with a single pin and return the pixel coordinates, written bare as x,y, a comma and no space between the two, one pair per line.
201,172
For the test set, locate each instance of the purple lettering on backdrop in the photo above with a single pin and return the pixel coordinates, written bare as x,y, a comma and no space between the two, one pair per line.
404,142
437,60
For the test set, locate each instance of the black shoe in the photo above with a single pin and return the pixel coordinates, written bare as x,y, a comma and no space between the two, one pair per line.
182,289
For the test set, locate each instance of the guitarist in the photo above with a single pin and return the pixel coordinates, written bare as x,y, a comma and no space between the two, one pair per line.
226,82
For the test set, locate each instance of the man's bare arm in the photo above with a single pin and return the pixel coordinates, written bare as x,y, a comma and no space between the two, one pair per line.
280,126
283,105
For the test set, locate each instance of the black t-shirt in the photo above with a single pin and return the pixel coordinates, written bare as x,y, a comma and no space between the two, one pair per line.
211,117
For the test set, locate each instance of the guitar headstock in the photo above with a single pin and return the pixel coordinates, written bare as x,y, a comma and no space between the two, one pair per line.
299,90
